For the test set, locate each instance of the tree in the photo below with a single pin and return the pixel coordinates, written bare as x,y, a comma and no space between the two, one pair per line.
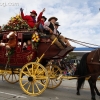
70,56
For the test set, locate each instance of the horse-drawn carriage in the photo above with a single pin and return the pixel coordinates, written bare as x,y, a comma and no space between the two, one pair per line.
30,67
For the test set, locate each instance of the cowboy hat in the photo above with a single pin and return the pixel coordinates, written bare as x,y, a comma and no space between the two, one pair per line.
57,23
34,12
44,18
52,18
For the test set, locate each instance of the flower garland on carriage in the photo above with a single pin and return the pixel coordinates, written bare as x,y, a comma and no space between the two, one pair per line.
16,24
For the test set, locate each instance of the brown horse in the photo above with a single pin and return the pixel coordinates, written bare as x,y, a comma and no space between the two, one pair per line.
89,66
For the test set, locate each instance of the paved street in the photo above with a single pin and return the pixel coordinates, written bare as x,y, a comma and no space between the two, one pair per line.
66,91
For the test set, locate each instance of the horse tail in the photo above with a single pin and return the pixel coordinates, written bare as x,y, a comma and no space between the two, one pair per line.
80,84
81,71
82,68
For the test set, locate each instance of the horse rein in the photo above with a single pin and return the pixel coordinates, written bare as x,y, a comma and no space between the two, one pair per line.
83,43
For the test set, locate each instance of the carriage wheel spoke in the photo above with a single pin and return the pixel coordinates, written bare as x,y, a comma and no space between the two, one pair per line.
28,71
32,87
23,78
9,76
28,87
36,69
52,82
12,77
56,72
41,77
37,87
25,73
40,72
25,83
55,81
32,69
15,77
40,83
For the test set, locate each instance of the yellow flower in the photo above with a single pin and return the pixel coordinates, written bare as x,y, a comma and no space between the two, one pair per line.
36,40
37,36
17,16
33,36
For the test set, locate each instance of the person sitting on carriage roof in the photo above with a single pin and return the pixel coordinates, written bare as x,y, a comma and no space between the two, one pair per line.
41,19
49,29
62,38
31,19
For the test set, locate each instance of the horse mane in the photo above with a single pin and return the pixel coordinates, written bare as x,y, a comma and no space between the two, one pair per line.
82,68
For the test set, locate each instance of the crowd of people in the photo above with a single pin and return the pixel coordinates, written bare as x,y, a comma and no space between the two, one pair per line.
67,67
49,28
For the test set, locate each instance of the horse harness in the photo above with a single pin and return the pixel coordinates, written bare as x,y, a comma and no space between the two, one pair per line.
95,63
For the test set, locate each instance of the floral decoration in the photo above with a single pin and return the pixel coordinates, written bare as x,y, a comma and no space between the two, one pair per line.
35,40
16,23
35,37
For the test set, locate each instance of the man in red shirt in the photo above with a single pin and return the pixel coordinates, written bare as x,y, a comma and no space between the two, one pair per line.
30,19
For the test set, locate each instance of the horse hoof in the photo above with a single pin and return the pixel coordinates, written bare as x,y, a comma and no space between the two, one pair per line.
93,99
78,93
98,94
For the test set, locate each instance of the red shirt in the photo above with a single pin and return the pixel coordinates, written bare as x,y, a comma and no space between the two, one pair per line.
28,19
29,47
39,19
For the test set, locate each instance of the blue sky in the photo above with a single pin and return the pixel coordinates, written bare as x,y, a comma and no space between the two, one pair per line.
79,19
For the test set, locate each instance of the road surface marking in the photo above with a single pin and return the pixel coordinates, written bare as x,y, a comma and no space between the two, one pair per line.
17,96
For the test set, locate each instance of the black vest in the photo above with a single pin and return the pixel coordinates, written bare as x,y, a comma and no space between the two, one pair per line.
51,27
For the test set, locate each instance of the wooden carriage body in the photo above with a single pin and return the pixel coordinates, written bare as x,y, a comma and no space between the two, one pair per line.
22,57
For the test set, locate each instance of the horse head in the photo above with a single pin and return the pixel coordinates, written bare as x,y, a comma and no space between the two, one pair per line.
11,35
12,40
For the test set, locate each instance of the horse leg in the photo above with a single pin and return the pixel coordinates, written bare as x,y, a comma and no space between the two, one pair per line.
92,89
80,82
78,91
96,89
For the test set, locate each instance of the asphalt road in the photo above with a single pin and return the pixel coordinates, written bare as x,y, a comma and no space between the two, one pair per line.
66,91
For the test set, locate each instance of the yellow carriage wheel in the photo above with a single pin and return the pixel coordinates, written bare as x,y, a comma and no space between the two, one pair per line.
53,71
11,75
30,76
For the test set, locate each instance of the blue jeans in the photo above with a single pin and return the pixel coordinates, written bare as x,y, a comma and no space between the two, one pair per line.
41,28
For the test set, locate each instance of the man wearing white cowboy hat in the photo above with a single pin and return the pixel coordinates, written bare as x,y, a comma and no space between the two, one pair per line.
49,29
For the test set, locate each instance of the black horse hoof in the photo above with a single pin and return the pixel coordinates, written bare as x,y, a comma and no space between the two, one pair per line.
93,99
78,93
98,94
